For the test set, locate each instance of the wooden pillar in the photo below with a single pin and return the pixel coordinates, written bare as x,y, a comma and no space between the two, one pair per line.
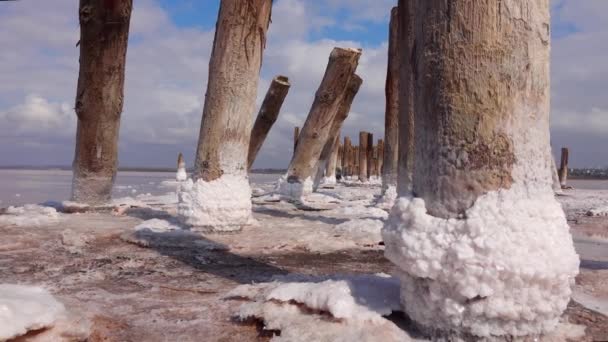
391,114
563,168
406,99
363,156
504,264
334,134
339,157
330,171
357,164
380,156
346,157
268,114
104,33
370,154
340,69
296,135
223,146
181,174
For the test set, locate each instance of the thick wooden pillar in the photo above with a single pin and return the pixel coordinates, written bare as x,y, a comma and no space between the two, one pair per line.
347,157
484,249
363,156
407,109
223,146
391,114
302,168
380,156
267,116
104,32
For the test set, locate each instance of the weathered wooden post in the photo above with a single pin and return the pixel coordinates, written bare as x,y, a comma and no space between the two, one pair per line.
406,103
357,165
380,157
484,249
303,166
391,114
104,33
268,114
220,196
181,174
346,157
563,168
363,156
330,170
339,158
370,154
334,134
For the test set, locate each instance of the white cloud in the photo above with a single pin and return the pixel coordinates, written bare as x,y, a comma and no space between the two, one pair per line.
167,73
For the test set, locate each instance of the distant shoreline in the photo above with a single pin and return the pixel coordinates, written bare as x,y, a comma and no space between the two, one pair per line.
126,169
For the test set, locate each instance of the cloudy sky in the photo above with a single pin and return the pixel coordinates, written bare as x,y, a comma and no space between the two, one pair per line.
170,44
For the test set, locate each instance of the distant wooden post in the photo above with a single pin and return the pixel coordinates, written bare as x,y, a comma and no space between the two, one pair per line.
181,174
340,69
563,168
370,154
334,134
339,157
363,140
380,156
356,166
223,145
267,116
296,135
391,114
346,157
99,97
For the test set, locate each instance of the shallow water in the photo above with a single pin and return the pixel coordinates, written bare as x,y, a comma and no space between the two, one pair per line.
18,187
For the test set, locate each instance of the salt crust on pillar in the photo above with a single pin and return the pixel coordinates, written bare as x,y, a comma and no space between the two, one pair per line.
506,269
223,204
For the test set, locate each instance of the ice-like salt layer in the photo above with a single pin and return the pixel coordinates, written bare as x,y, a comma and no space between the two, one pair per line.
25,308
505,269
387,200
181,174
601,211
331,180
362,231
157,226
223,204
357,304
30,215
294,191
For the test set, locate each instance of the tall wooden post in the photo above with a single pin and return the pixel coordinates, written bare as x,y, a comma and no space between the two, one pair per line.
334,134
330,170
268,114
504,264
339,157
391,114
340,69
296,135
181,174
380,156
363,156
104,32
220,197
346,159
357,165
563,168
406,101
370,154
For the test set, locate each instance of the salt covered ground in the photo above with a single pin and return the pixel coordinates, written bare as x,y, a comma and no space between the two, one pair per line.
131,272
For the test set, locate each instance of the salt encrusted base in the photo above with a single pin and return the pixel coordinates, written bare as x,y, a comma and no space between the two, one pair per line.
328,180
388,198
223,204
294,191
506,269
181,175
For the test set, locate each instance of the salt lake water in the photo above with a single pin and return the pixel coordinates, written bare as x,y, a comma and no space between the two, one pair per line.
18,187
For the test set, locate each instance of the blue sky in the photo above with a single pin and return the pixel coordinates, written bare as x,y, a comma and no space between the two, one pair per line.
167,73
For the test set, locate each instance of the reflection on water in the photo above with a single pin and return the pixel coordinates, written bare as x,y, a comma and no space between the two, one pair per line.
18,187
